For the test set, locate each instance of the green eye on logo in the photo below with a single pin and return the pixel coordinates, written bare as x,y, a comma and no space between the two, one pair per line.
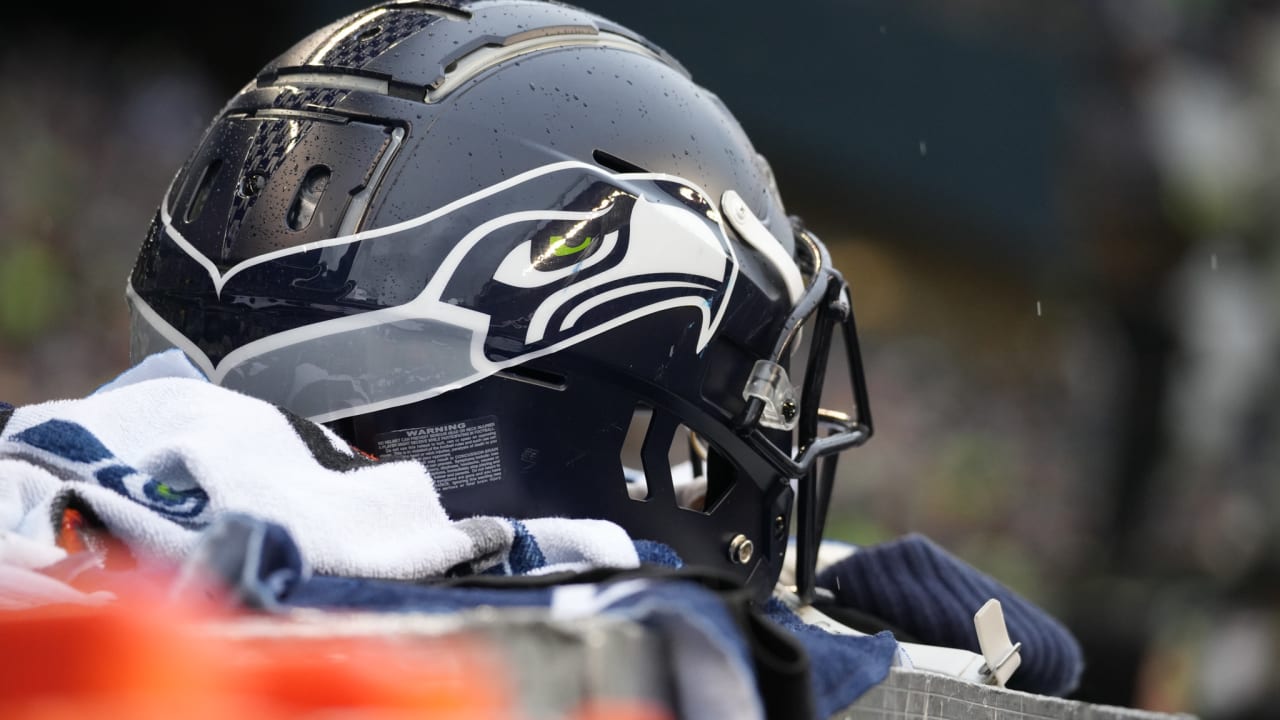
561,248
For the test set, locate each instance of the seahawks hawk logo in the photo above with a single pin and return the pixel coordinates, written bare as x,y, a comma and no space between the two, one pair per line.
521,282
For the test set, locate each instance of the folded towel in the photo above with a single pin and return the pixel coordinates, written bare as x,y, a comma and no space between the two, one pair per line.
727,658
913,584
157,454
284,513
842,667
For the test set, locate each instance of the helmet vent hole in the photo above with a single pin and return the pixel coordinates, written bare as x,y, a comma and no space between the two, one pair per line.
632,463
305,200
688,457
370,33
663,459
201,195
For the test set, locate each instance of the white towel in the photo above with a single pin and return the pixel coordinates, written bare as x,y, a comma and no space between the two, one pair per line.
158,453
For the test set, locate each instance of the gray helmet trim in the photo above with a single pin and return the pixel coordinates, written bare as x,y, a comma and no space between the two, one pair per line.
465,68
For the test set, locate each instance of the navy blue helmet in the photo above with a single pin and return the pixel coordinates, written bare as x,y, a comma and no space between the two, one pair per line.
516,242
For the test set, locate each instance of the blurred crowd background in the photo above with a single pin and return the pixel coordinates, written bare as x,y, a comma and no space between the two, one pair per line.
1061,222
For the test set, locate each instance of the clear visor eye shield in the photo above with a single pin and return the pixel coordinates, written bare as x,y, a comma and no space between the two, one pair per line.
771,404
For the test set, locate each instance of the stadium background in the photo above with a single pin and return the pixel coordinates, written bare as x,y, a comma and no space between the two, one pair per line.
1059,221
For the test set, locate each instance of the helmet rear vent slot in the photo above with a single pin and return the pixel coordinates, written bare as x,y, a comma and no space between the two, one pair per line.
615,163
201,195
533,376
307,198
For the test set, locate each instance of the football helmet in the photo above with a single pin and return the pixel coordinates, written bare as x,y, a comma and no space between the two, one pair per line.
498,237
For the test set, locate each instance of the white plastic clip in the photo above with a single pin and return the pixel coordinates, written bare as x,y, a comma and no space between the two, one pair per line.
759,237
1000,653
770,383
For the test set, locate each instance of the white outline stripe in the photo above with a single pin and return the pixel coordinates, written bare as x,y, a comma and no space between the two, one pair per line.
591,303
427,305
169,332
220,279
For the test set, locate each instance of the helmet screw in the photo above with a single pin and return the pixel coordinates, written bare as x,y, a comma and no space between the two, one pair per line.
741,549
251,184
779,525
789,409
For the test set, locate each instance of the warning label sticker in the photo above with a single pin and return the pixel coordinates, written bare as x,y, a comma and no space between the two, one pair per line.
460,454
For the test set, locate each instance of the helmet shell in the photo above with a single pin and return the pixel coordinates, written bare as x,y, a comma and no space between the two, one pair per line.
414,110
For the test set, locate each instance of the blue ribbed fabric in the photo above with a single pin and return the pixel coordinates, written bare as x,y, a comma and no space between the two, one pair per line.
917,586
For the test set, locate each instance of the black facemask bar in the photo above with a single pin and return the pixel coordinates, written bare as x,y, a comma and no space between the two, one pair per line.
827,300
